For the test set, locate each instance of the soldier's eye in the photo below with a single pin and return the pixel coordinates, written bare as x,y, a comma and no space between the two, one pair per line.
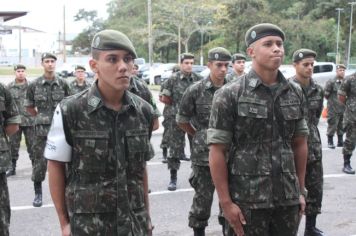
128,59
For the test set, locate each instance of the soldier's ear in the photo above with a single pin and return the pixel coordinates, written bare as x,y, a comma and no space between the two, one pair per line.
250,52
93,65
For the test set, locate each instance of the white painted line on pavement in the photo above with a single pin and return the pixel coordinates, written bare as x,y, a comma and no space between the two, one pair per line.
176,191
20,208
338,176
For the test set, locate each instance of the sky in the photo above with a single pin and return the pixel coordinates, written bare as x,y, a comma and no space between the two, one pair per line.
47,15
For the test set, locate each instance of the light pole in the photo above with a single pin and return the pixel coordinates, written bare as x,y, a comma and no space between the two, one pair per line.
201,43
349,50
337,58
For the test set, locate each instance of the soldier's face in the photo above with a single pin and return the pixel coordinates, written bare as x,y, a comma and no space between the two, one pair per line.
239,66
186,66
218,69
114,69
80,75
20,75
340,73
267,53
49,65
304,68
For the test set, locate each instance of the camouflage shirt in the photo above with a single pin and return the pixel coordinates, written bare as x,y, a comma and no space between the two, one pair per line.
233,76
176,86
45,95
195,108
348,89
314,95
106,171
168,109
259,122
9,114
76,88
140,89
18,93
331,88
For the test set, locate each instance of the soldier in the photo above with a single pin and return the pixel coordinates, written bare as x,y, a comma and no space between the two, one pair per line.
102,137
335,107
238,64
347,96
195,108
9,125
259,121
303,62
18,89
172,95
43,95
79,84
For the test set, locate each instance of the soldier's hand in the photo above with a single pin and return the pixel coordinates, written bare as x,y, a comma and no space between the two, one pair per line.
166,100
234,216
66,230
301,205
150,228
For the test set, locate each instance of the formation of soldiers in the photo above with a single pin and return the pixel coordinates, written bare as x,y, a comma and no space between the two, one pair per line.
253,137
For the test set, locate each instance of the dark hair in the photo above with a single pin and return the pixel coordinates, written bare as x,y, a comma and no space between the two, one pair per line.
95,53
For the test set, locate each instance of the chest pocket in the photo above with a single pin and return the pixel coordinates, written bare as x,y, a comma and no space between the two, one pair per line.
40,95
203,112
91,150
138,149
15,93
252,107
291,109
314,102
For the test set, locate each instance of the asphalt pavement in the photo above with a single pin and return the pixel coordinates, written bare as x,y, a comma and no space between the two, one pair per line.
169,210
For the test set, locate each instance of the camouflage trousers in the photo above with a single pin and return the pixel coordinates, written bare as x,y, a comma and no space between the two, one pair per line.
39,166
350,140
5,211
176,147
166,136
278,221
200,179
314,185
335,124
15,141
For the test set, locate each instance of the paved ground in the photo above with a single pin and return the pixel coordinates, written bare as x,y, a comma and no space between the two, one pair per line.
170,209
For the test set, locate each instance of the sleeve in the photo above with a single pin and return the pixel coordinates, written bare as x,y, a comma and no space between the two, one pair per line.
344,89
221,118
11,113
30,95
328,89
321,105
57,148
186,106
301,126
167,89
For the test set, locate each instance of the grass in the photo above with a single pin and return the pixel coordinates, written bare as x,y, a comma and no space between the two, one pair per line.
31,71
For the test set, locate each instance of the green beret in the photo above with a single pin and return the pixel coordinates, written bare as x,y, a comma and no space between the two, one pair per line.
341,66
219,54
302,53
80,67
186,55
238,56
113,40
19,66
48,55
259,31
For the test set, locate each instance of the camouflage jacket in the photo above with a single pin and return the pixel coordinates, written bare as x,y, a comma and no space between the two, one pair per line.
259,123
176,86
18,93
109,151
140,89
168,111
314,96
348,89
9,114
76,88
195,108
45,95
233,76
331,88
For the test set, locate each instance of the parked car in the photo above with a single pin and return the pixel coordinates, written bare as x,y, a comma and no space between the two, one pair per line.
323,71
67,70
6,63
156,76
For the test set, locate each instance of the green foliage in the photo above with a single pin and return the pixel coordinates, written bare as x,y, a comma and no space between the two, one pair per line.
209,23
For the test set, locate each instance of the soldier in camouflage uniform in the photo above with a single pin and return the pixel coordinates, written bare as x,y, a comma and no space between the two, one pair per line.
238,64
79,84
347,96
43,95
259,121
10,120
195,108
168,121
303,61
102,137
18,89
172,95
335,107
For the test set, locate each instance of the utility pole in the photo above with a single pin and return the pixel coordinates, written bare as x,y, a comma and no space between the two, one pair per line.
64,35
337,57
20,46
349,50
149,19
